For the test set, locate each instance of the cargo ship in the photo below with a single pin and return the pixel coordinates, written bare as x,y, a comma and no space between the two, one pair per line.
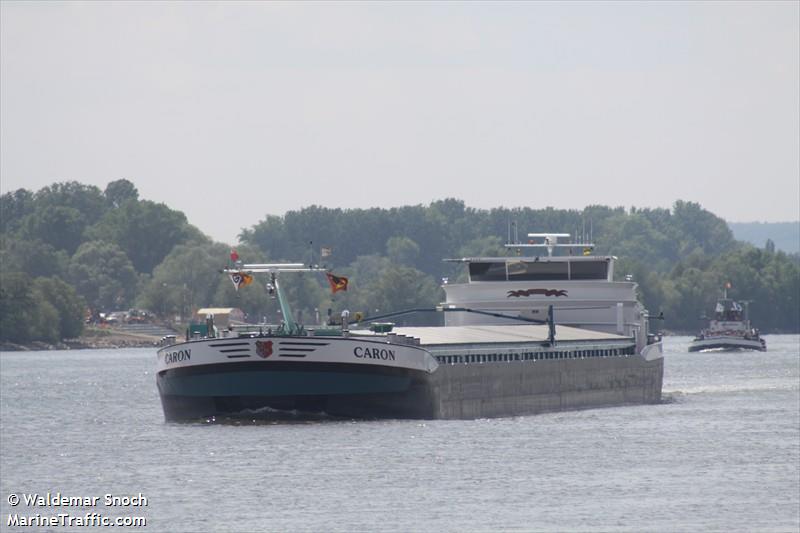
459,371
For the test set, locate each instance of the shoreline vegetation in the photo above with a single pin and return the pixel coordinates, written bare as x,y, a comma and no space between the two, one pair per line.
71,252
92,339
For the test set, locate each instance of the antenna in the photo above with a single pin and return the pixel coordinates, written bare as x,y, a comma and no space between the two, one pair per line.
550,240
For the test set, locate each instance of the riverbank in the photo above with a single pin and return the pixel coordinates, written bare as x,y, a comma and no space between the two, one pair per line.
104,339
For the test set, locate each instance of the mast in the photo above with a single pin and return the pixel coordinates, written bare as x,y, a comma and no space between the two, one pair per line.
551,242
273,269
286,310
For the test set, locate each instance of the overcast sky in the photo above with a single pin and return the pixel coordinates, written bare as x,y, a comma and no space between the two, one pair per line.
232,111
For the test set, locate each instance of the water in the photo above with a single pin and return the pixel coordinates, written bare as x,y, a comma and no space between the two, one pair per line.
721,454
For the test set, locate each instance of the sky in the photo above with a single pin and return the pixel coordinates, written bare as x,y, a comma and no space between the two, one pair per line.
232,111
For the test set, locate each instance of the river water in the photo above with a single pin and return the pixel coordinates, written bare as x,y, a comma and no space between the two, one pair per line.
722,453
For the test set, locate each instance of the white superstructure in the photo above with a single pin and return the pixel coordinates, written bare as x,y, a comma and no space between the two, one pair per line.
581,289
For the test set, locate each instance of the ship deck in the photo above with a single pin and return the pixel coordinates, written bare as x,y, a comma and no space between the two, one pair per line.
431,337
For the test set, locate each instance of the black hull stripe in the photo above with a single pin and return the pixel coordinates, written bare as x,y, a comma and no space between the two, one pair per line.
294,366
293,343
292,355
238,356
227,344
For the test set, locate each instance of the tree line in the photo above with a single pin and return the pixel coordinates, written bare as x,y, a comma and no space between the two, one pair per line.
70,249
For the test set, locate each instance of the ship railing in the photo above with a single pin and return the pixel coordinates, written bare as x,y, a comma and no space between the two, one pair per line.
394,338
168,340
531,353
654,338
249,330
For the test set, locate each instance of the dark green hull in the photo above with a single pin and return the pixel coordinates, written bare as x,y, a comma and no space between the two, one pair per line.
453,391
257,389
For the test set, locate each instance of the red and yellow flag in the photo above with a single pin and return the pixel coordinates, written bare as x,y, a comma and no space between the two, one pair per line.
241,279
338,283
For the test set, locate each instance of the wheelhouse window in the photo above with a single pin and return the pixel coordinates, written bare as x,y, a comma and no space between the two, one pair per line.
538,270
588,270
544,270
487,271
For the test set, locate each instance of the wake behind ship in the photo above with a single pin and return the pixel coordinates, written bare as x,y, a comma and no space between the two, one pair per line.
455,372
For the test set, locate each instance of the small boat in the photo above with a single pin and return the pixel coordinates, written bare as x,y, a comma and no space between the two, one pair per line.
729,330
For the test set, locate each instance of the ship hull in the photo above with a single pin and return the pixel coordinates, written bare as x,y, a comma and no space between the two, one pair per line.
513,389
255,389
337,376
727,343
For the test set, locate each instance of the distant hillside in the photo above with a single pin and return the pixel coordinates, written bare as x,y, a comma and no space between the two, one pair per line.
785,235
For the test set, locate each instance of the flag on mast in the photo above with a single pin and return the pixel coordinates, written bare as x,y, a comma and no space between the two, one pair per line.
241,279
338,283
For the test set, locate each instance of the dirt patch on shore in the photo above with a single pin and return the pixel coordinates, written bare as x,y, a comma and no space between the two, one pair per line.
107,341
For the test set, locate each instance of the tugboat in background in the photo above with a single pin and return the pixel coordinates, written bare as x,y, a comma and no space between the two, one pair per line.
730,329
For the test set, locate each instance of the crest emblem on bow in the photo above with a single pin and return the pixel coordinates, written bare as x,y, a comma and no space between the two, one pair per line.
264,348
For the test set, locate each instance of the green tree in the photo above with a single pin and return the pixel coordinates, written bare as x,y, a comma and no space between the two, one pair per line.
103,275
44,321
187,279
14,207
120,191
25,315
402,251
59,226
269,236
33,257
70,307
16,302
635,236
146,232
87,200
701,228
399,288
688,298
